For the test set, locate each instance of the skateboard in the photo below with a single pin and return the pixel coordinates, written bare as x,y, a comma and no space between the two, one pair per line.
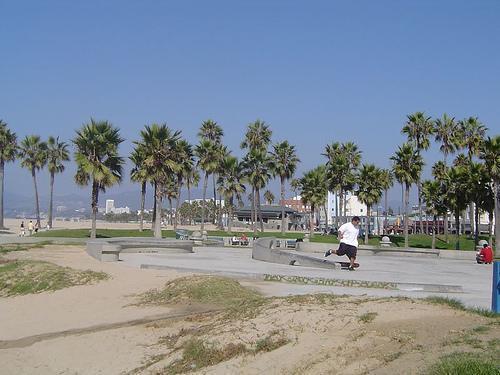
345,265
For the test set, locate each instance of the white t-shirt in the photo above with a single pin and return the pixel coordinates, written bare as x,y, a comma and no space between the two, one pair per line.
349,234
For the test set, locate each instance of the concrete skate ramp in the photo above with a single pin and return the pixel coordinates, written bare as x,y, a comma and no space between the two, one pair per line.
109,249
264,249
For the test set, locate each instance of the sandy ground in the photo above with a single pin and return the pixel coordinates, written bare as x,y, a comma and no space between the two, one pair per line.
94,329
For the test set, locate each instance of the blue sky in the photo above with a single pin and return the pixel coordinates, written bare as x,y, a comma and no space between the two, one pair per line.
317,71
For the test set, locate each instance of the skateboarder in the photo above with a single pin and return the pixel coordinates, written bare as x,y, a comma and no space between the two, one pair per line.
348,236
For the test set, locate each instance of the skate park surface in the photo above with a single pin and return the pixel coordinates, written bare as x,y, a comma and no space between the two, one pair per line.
380,276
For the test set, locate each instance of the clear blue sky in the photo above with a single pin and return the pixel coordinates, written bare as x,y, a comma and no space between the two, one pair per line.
316,71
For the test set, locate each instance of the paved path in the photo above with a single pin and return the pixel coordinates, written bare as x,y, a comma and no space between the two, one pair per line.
411,272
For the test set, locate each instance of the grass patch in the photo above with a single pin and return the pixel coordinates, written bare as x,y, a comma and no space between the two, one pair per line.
368,317
27,277
305,280
481,329
198,354
458,305
101,233
464,364
271,342
9,247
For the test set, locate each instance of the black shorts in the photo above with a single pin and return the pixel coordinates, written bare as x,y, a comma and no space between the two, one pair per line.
345,249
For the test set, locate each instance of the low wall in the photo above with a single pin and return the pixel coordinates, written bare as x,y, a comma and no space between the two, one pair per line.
109,249
458,254
264,250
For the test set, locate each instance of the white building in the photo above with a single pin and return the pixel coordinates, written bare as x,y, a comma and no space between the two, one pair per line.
219,202
353,206
110,205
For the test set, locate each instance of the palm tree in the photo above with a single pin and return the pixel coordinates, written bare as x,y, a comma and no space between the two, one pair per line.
230,185
352,155
459,194
285,162
8,153
139,174
418,129
314,191
257,139
192,178
490,153
33,154
97,160
269,197
446,131
387,181
207,154
186,160
472,132
407,166
211,131
440,173
159,145
57,154
258,167
434,198
370,187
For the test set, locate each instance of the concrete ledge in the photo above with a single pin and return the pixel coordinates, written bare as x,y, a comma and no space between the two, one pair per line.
458,254
109,249
264,250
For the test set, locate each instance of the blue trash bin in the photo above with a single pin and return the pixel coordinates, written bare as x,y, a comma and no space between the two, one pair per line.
495,300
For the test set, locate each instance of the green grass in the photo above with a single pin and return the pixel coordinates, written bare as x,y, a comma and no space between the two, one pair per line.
28,276
368,317
464,364
101,233
272,341
9,247
458,305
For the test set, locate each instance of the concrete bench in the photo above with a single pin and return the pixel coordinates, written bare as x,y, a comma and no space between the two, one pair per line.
109,249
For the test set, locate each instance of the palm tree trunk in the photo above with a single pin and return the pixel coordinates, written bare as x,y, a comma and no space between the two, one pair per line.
406,199
170,212
446,227
344,212
189,200
177,206
426,224
476,225
203,203
420,207
216,215
51,199
457,229
37,202
2,171
490,227
311,221
282,180
367,223
496,188
95,198
259,210
158,193
471,219
386,213
153,221
230,213
253,212
143,202
433,232
325,207
336,210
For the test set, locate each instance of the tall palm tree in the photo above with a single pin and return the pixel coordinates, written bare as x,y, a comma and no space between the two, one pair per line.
186,161
97,159
352,155
490,153
257,139
418,129
207,153
258,167
139,174
192,178
230,185
407,166
446,132
57,154
336,167
387,181
285,162
458,192
8,153
370,188
159,145
473,133
33,154
314,191
440,174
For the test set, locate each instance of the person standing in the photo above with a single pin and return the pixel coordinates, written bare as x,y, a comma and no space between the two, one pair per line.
31,227
348,236
22,232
